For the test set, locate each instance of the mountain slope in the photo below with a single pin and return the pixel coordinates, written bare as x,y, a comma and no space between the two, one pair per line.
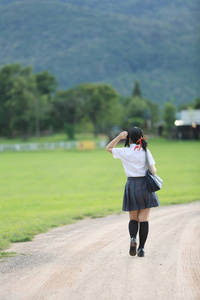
81,42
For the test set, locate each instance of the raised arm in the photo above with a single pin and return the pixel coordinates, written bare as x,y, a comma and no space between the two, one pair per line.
116,140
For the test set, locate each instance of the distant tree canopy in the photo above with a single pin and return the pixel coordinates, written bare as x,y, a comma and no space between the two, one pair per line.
98,101
16,99
197,103
31,102
190,105
24,99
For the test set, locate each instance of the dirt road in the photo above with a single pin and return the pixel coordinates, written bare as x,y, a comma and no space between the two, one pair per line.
89,260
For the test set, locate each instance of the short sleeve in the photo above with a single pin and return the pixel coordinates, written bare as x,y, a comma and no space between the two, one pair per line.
117,152
150,158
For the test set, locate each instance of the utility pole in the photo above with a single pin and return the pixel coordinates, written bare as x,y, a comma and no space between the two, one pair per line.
37,116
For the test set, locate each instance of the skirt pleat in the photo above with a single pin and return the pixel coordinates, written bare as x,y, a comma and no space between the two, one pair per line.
136,195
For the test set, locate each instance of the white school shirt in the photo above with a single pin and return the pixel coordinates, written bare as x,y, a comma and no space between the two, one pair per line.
134,162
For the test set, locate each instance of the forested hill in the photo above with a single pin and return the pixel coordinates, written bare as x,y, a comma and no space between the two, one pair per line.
110,41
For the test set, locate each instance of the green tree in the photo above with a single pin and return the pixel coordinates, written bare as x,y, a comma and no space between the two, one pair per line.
197,103
153,112
169,116
46,83
136,90
7,74
20,103
24,97
46,86
190,105
68,108
102,104
134,112
16,105
185,106
95,102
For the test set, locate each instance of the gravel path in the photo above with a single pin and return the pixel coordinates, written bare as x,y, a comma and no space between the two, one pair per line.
89,260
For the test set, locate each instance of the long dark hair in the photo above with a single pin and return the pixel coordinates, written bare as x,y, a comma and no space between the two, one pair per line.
136,135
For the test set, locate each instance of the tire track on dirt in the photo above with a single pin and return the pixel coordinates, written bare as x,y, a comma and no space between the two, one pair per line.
65,276
189,255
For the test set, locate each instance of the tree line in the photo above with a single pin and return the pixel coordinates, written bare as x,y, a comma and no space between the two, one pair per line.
31,103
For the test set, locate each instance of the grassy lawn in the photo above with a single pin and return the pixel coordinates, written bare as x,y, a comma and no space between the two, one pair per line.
40,190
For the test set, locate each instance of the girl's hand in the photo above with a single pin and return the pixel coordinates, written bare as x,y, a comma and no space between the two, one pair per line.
114,142
123,135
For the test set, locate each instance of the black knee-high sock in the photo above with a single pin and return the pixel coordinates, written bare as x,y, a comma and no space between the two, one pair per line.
143,233
133,228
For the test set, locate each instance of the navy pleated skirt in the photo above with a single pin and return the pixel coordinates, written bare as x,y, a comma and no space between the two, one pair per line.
136,195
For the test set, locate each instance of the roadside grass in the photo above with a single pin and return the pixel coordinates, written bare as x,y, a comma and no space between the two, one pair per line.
41,190
4,254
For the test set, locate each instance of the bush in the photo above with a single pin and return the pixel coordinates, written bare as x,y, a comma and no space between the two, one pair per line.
70,131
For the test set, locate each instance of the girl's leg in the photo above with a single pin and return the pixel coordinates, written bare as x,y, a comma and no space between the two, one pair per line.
133,224
144,228
143,215
133,215
133,229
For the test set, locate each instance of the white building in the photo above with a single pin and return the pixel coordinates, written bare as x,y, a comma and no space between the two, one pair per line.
188,124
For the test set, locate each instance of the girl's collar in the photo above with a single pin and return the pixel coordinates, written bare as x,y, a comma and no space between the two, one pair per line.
136,147
132,145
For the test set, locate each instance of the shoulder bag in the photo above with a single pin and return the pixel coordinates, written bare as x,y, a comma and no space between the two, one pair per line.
154,182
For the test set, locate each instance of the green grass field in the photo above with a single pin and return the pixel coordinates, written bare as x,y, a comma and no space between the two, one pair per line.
40,190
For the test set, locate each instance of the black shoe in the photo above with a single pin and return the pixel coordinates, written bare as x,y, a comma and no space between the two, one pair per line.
133,247
140,252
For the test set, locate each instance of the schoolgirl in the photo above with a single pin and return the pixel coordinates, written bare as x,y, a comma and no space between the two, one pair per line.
137,200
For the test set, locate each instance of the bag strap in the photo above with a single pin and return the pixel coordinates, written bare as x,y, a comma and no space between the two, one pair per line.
147,162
